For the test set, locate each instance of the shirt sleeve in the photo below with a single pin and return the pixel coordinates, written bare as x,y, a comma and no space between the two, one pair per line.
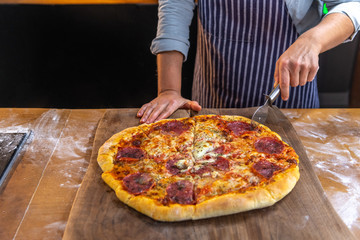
349,8
173,26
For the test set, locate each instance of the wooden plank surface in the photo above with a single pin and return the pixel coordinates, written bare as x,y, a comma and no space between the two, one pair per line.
97,212
36,201
48,125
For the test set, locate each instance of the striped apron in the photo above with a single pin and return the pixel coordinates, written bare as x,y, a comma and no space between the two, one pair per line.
239,42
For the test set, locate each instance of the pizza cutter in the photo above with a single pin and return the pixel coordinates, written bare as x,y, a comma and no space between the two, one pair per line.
261,113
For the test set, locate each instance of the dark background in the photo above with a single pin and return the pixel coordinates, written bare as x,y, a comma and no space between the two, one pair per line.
97,56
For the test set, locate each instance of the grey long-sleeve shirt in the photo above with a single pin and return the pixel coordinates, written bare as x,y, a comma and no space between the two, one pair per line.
175,18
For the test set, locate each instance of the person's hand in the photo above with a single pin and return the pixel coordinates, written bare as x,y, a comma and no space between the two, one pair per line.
297,65
164,105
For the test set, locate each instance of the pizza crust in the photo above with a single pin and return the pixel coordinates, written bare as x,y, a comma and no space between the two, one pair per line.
233,203
171,213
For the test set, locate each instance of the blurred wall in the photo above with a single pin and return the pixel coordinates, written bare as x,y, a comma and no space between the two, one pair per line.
97,56
336,74
78,56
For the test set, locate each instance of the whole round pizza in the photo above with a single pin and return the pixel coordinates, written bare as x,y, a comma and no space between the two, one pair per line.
198,167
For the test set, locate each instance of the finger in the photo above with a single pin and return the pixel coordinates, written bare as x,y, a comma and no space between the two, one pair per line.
149,109
303,76
170,109
164,115
193,105
294,75
284,80
141,110
312,73
156,112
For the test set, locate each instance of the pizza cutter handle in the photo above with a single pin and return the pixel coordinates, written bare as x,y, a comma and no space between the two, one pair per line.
274,94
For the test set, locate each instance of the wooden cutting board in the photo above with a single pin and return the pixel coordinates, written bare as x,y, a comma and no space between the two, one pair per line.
305,213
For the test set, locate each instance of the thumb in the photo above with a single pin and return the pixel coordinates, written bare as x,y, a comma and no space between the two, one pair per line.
193,105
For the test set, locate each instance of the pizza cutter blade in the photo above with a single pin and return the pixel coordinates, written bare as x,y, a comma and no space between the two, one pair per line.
261,113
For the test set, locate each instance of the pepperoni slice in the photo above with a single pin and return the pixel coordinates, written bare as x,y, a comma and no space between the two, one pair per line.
171,166
223,149
269,145
202,170
130,153
265,168
222,163
136,143
176,127
219,150
138,183
174,167
181,192
136,139
239,127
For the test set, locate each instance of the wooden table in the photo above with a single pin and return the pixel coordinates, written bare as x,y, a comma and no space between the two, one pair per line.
36,202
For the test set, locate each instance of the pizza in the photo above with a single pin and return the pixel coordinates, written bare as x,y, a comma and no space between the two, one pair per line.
198,167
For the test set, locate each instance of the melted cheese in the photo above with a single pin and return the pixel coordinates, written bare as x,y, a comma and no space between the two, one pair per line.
211,160
181,164
201,148
215,174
